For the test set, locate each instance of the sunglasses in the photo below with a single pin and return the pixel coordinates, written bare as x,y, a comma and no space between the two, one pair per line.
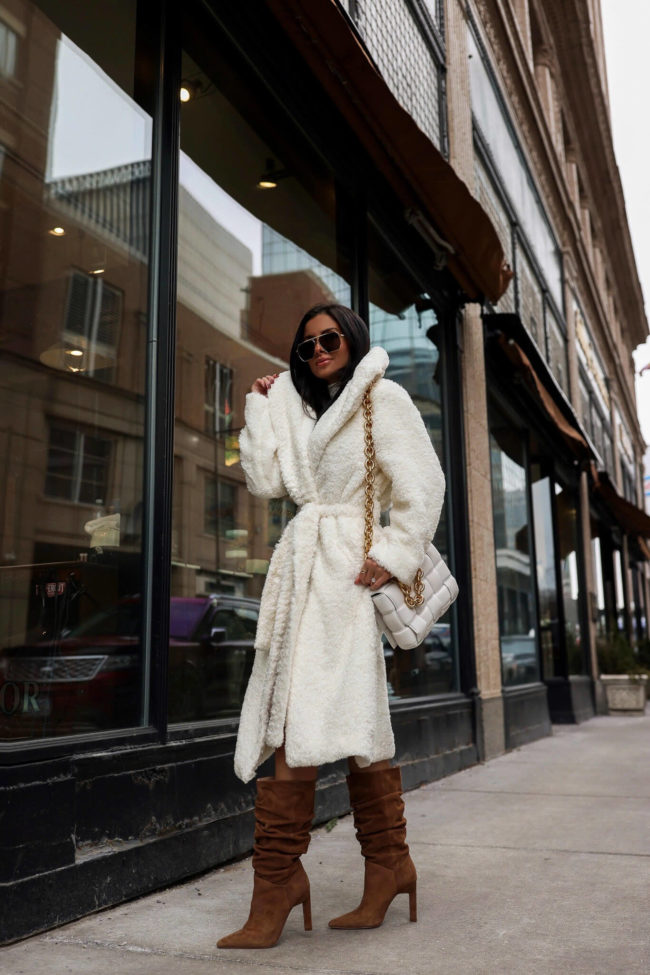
329,341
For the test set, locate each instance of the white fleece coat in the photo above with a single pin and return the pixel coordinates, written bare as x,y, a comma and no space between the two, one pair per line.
319,682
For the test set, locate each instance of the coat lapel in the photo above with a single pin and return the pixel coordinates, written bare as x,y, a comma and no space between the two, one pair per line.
372,366
292,427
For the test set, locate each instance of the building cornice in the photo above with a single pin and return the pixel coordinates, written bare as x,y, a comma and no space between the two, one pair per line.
583,92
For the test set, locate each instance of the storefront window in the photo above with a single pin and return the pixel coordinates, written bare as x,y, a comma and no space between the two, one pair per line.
409,331
414,360
549,624
512,540
639,628
566,506
598,597
621,613
74,198
252,259
556,550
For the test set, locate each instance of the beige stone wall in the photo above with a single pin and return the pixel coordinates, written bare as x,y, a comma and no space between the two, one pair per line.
481,538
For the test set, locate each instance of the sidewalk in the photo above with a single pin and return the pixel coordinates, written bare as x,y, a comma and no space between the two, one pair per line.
536,863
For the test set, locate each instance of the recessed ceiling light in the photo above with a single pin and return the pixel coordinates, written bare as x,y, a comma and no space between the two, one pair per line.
271,176
98,270
57,231
185,94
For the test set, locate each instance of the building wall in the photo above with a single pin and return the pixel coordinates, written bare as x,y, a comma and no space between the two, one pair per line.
544,92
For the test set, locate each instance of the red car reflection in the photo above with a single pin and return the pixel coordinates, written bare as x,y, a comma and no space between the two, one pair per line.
90,678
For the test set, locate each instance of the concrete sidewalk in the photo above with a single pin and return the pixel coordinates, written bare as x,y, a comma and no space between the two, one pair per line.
537,862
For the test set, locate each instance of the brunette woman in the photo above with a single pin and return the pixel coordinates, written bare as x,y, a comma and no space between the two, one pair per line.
317,692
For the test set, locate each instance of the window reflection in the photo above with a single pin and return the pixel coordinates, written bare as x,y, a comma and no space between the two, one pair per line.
251,261
549,623
566,503
73,307
403,323
512,539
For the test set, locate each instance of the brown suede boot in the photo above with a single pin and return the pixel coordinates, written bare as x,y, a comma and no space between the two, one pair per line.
381,830
283,814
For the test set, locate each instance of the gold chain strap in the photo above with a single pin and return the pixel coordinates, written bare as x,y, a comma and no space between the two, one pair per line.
412,599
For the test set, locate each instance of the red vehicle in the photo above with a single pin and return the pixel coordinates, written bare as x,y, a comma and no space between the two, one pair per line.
90,678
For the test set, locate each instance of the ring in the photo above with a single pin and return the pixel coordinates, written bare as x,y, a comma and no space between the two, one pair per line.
372,580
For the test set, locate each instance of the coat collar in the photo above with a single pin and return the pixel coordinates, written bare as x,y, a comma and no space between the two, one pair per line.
372,366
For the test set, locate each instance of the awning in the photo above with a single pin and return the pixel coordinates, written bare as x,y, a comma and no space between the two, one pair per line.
537,380
424,181
631,518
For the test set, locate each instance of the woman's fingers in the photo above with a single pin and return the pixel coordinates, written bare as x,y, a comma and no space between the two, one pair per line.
263,384
380,579
372,575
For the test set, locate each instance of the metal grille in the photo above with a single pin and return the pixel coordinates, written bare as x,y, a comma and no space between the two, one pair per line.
557,351
53,669
403,57
489,199
531,305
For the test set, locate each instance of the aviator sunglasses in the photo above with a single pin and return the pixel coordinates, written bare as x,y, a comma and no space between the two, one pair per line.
329,341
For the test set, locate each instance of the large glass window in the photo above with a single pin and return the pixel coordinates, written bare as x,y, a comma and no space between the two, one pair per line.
619,591
496,130
545,555
74,197
566,506
403,322
513,548
555,517
258,245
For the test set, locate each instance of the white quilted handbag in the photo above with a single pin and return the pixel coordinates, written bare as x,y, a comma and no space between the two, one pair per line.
407,613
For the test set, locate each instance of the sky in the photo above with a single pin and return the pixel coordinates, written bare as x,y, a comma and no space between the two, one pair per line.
85,140
626,27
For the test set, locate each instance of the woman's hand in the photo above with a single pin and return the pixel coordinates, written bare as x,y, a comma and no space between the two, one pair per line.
372,575
264,384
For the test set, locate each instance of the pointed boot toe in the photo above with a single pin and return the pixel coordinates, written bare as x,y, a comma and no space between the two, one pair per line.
283,814
381,830
270,908
381,887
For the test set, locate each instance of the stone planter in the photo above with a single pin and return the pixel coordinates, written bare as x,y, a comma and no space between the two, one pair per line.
625,693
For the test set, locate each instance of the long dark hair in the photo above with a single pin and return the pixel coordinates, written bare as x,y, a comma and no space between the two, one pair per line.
314,391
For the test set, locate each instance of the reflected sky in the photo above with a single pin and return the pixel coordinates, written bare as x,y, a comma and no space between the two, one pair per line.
95,126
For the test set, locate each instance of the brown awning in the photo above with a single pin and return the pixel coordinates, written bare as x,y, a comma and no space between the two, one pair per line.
420,175
631,518
567,430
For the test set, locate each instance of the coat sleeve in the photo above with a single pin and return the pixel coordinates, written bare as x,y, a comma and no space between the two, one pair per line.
259,450
405,454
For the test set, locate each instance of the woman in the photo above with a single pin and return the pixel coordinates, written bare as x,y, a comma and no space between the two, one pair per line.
317,692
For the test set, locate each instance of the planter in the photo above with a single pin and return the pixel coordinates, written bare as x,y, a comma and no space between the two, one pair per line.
625,693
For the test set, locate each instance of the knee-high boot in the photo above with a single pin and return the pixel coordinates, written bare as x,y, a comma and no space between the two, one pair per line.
283,814
381,830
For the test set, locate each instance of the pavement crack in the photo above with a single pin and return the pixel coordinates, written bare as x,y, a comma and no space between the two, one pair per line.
527,849
545,795
225,957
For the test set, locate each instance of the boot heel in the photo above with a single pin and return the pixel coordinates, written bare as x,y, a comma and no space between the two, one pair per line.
413,904
306,912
